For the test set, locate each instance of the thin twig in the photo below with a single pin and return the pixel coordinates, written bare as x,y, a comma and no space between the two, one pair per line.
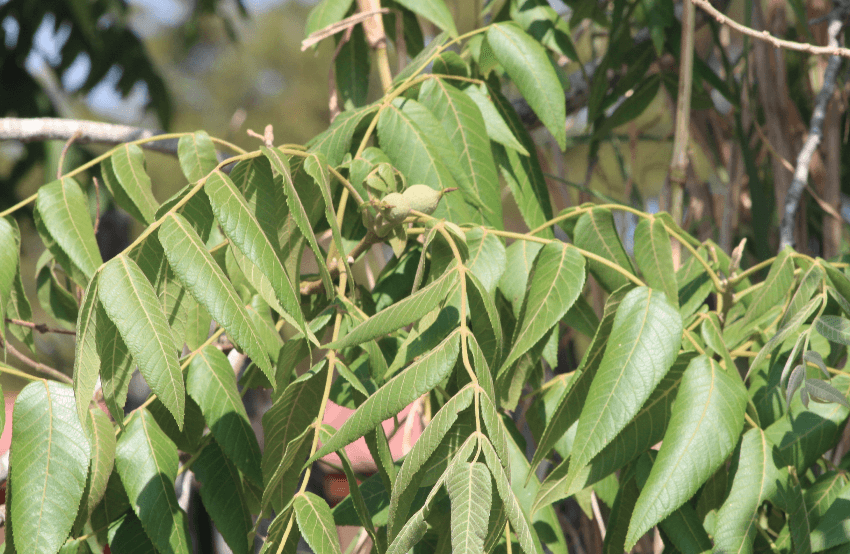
38,366
801,173
40,327
339,26
832,49
336,265
68,143
597,514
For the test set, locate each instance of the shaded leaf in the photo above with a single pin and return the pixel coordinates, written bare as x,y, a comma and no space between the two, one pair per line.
773,289
9,257
131,303
834,328
86,357
102,457
128,165
469,487
497,129
127,535
434,11
146,460
49,461
595,232
210,381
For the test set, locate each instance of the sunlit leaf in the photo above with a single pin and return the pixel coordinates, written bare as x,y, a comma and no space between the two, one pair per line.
196,154
128,165
316,523
326,13
49,461
469,487
102,456
497,129
434,11
654,257
9,254
595,232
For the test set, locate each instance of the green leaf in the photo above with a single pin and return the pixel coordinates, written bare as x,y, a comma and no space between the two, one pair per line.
484,317
556,280
18,307
513,284
316,523
528,65
336,140
465,127
49,461
9,256
705,424
131,303
116,365
686,531
834,526
522,172
352,69
773,289
621,511
298,213
241,227
423,448
487,258
810,282
134,185
146,460
211,383
470,488
790,328
834,328
86,357
281,484
434,11
63,210
102,457
644,342
419,378
127,535
290,414
401,313
645,430
528,540
754,482
365,518
276,530
422,59
326,12
654,257
632,107
54,298
196,153
569,408
197,269
798,520
497,130
413,153
223,497
596,232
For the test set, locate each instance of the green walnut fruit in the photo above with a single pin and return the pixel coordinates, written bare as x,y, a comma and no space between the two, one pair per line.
395,208
423,198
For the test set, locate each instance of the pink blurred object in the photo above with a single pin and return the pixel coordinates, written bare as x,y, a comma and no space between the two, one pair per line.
6,438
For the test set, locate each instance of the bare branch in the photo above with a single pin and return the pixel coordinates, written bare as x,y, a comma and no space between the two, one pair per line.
804,158
49,128
833,49
339,26
40,367
40,327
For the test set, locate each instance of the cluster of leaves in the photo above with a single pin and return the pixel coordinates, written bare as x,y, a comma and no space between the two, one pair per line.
446,323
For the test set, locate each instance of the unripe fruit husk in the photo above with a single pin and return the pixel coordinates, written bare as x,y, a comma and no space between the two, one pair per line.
395,208
423,198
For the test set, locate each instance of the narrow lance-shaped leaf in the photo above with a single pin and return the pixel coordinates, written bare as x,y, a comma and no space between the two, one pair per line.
833,528
528,65
102,456
834,328
86,357
556,280
131,303
528,540
706,421
63,210
644,343
281,483
296,211
210,381
595,232
116,365
470,490
223,497
128,164
401,313
9,255
774,288
422,449
197,269
568,409
496,127
419,378
326,13
654,257
464,125
49,461
241,227
196,153
316,523
146,461
434,11
755,480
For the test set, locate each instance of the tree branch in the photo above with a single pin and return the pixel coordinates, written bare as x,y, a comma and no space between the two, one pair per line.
40,367
49,128
804,158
